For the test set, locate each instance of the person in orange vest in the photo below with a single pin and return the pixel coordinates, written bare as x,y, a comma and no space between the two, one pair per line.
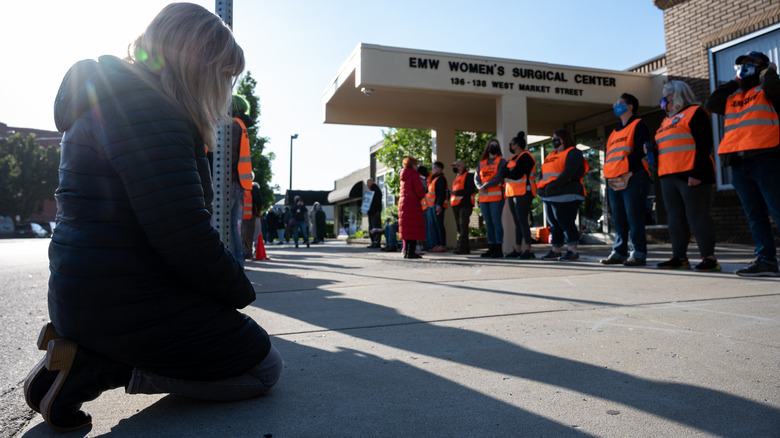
628,177
488,180
253,209
462,201
520,190
562,190
241,173
687,173
751,146
437,203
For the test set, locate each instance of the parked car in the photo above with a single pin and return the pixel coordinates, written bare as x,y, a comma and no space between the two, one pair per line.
30,229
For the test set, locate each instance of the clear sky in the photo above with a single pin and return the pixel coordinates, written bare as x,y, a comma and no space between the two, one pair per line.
295,48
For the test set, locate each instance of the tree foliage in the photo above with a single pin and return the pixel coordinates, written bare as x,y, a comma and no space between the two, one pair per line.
28,175
261,163
400,143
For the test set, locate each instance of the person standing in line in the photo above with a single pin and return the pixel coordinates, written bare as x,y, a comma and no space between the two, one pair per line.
489,179
281,224
628,180
320,222
562,190
299,214
437,202
462,201
687,174
375,214
411,224
520,190
289,223
142,293
272,221
247,225
751,146
425,178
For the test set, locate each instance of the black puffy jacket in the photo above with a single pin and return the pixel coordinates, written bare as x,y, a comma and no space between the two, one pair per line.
137,272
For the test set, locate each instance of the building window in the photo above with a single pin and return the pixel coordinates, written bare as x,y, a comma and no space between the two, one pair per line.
722,59
388,199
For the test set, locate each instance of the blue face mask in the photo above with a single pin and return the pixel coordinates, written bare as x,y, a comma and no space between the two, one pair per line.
619,109
664,102
556,142
746,70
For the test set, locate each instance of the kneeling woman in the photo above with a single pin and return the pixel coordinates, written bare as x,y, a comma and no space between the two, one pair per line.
143,294
562,191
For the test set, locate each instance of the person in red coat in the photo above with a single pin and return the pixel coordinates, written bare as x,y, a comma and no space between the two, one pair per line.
411,223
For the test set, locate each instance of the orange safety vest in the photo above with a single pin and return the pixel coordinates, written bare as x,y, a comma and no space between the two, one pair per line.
676,147
430,196
486,173
458,186
751,122
244,165
518,187
619,146
555,163
247,205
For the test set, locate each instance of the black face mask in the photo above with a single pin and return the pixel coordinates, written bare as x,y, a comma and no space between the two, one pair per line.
455,170
494,149
557,142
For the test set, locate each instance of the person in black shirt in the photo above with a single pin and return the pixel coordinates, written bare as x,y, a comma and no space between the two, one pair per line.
520,190
375,215
462,200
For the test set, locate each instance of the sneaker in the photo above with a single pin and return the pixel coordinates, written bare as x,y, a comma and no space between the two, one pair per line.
462,251
513,255
552,255
633,261
527,255
675,263
708,264
570,257
611,261
758,268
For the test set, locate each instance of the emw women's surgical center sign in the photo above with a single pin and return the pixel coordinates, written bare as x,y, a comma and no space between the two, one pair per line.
406,68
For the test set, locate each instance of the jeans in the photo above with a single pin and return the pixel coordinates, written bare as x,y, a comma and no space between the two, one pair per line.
280,234
390,234
255,382
300,226
757,182
236,214
688,206
520,207
562,217
430,226
629,208
462,214
491,213
439,233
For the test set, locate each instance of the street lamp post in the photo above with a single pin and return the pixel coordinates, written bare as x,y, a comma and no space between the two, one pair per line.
292,137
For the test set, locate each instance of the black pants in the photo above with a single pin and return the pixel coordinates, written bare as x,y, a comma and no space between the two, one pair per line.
520,207
375,222
462,215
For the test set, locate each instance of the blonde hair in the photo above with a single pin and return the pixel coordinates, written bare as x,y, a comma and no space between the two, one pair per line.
197,60
683,95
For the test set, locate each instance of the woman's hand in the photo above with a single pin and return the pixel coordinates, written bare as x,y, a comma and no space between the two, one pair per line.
692,182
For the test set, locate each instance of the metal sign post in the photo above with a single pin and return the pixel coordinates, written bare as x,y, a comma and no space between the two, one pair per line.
223,165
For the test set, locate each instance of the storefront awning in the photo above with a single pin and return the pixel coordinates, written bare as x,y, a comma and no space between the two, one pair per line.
342,194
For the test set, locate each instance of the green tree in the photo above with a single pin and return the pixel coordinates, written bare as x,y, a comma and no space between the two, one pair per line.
261,163
400,143
28,175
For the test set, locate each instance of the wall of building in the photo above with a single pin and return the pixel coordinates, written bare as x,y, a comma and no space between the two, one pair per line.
692,27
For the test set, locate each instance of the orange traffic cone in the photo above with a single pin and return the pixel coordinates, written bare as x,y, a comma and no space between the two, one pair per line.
260,250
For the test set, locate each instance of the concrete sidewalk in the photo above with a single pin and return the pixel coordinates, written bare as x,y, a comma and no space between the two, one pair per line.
375,345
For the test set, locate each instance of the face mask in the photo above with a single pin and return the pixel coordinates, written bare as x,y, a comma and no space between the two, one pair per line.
664,102
557,142
494,149
745,71
620,109
455,170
